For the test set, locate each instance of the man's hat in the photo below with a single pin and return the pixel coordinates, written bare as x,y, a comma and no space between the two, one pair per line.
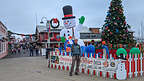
67,10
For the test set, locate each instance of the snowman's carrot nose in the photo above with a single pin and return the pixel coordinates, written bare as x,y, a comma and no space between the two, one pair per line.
66,23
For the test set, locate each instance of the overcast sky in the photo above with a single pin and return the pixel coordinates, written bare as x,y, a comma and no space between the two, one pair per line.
20,15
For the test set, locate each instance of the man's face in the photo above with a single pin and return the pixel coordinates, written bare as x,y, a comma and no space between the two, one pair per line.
75,41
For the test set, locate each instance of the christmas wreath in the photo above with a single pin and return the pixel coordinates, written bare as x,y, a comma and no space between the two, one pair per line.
54,23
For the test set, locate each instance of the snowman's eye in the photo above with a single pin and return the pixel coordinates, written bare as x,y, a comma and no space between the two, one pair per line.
68,34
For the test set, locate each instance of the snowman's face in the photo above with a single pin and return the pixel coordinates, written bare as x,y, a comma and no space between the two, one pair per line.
69,23
66,33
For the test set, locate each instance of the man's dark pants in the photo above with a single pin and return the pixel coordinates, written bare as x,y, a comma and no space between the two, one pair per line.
31,52
77,60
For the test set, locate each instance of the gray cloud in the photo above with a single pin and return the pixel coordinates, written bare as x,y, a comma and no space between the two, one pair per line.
20,15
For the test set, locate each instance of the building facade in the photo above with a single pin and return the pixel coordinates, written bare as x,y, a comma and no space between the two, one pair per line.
90,34
3,40
53,39
48,38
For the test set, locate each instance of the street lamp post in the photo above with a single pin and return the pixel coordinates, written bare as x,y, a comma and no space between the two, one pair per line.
47,26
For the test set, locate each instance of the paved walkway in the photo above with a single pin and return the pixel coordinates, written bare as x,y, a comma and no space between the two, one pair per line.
21,54
35,69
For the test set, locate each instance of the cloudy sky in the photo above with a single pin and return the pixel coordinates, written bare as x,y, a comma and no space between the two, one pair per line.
20,15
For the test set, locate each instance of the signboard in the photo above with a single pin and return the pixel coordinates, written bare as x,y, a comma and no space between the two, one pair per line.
88,63
90,36
65,60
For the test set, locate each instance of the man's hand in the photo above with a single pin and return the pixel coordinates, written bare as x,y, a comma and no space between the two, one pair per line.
81,20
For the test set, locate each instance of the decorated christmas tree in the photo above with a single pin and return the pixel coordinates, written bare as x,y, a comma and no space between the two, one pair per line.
115,29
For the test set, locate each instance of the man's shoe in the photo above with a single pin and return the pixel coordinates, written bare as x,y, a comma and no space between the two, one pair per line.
76,73
70,74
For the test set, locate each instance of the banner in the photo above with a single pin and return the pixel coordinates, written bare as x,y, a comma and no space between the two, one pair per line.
99,64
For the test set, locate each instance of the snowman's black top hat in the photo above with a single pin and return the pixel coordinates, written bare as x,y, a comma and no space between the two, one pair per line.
67,10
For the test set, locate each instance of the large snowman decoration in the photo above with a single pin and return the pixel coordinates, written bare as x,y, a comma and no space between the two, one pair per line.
70,30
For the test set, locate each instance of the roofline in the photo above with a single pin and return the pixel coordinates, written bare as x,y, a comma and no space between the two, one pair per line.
95,28
3,24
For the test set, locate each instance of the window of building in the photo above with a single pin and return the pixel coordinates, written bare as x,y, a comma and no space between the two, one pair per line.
2,47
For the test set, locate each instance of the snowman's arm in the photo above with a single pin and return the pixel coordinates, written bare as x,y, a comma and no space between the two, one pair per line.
79,27
81,21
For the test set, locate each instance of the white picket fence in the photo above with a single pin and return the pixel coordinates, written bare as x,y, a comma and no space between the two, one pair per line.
134,66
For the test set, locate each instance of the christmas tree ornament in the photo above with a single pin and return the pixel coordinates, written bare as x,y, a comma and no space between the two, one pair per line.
106,27
115,23
117,31
111,33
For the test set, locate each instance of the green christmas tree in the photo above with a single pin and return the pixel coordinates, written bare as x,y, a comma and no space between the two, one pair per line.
115,29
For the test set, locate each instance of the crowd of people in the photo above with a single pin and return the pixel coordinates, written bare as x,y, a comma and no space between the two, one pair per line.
25,48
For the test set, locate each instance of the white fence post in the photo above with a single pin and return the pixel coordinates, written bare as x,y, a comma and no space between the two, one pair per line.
130,71
136,72
141,61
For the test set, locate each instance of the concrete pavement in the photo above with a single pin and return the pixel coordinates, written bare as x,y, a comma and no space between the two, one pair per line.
35,69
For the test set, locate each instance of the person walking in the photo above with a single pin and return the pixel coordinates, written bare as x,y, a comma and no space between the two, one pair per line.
37,50
23,48
75,57
31,50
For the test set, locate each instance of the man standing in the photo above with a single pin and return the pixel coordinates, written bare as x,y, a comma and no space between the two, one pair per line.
75,57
